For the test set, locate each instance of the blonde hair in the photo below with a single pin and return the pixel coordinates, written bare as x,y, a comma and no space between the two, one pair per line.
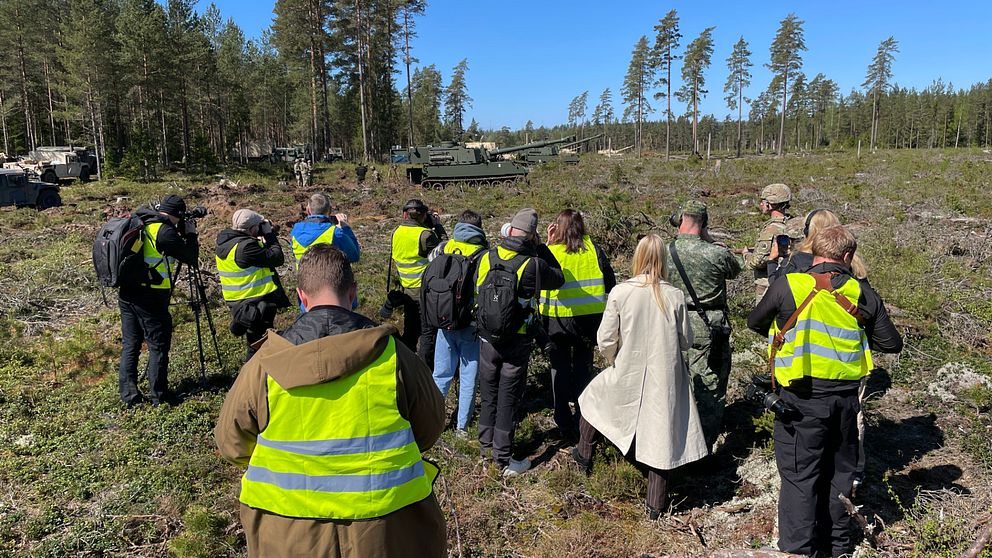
651,259
821,220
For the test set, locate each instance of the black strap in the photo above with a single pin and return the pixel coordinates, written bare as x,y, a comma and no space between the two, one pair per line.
688,285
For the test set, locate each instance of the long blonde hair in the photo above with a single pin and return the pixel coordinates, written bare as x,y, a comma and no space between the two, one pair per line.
651,259
821,220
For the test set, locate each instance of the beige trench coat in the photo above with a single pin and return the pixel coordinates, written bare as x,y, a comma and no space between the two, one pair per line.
646,392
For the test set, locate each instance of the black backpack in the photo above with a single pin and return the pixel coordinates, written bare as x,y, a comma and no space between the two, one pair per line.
447,291
117,252
499,314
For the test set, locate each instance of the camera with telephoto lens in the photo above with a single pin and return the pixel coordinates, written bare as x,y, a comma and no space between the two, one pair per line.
394,300
197,212
760,391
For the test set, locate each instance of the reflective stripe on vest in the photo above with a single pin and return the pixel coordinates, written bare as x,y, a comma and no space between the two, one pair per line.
337,450
827,342
154,259
485,264
584,291
239,283
326,237
461,248
406,255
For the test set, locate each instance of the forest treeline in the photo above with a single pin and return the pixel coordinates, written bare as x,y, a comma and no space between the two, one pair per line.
150,83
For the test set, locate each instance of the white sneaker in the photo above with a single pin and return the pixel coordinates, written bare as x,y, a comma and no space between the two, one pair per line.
516,467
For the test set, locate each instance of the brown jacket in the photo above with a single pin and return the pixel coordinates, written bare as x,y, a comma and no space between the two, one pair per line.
416,530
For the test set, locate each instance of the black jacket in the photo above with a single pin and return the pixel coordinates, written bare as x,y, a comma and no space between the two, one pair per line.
779,304
798,262
249,254
542,270
323,321
184,248
585,327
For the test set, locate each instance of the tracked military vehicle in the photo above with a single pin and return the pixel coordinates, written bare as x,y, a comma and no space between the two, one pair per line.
451,163
17,190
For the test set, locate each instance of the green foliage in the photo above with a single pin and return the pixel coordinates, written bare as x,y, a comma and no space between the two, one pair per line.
203,536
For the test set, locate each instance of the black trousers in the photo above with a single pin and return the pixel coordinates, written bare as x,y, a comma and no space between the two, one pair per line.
502,379
657,478
148,321
571,369
817,456
416,336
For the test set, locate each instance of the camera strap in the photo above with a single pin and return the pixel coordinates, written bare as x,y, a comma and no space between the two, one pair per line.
688,285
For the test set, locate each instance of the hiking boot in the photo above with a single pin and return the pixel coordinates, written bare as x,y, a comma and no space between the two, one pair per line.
585,464
515,467
461,434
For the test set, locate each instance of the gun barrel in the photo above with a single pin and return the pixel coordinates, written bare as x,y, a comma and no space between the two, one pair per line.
581,141
531,145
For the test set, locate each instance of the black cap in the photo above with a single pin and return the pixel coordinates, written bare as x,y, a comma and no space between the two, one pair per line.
173,205
415,205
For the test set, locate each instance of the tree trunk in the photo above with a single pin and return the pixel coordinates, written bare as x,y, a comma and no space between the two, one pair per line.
361,81
781,128
184,108
314,125
165,129
668,111
740,115
3,125
874,123
957,136
51,104
695,113
25,100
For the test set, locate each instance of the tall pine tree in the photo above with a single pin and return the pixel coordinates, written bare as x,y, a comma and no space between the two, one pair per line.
877,80
698,55
786,59
665,43
640,74
739,64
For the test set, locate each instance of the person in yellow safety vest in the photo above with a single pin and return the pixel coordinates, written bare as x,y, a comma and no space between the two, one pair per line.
419,233
503,362
247,257
330,420
168,239
321,227
572,314
838,321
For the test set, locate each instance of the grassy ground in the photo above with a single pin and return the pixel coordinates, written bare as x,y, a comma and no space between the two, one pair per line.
81,476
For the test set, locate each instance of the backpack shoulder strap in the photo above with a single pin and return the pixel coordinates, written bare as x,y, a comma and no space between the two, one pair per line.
688,285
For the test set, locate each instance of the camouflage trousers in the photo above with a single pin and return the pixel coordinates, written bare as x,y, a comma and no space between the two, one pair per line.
709,367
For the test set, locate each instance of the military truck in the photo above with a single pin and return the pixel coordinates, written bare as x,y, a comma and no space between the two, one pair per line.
53,164
450,163
290,154
18,190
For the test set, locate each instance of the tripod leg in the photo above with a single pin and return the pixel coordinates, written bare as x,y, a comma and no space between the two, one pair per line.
195,306
202,291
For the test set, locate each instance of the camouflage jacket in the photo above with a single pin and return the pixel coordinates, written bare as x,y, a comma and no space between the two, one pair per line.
708,267
758,259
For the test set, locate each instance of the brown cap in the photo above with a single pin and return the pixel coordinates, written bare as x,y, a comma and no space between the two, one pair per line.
245,219
525,220
776,193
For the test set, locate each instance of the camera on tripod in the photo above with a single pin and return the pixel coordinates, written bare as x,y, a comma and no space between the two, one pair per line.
760,391
197,212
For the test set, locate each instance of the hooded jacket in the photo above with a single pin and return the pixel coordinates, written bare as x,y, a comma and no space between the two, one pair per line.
249,254
325,344
307,230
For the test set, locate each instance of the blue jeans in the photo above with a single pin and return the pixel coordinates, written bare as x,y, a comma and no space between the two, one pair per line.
458,349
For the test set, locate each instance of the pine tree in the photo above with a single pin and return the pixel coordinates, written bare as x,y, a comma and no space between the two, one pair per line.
739,64
786,59
877,80
603,113
577,110
409,9
665,43
640,73
457,100
428,94
698,55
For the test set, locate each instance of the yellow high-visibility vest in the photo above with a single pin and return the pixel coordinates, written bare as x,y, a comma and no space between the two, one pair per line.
827,342
337,450
154,259
461,248
406,255
238,283
326,237
584,291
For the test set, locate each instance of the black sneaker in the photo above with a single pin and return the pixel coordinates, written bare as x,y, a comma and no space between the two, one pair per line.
653,513
584,464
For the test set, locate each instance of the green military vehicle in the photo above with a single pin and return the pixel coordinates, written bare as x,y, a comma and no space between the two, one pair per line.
537,152
451,163
17,190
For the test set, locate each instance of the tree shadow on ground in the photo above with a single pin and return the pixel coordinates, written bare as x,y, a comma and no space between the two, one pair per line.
190,387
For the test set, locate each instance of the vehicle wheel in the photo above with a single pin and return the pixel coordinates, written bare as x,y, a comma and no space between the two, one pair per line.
48,199
50,177
84,175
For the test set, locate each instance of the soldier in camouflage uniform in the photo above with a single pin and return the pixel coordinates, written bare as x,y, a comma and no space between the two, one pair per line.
298,172
775,199
708,267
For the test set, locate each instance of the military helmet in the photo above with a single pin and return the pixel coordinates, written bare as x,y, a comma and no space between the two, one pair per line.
776,193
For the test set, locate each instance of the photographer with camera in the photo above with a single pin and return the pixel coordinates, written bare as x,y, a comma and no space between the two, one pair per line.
169,238
413,241
247,257
509,280
823,324
702,269
321,227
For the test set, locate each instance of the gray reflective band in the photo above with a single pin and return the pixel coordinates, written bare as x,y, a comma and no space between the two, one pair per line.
336,483
343,446
155,262
411,275
817,350
583,283
246,286
816,325
418,263
246,273
576,301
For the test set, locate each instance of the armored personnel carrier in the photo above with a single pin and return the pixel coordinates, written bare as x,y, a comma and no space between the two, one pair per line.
17,190
451,163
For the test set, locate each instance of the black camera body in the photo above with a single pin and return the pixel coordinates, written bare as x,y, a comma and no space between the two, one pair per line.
394,300
760,391
196,212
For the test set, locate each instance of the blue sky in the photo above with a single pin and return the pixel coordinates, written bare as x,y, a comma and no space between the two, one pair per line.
527,60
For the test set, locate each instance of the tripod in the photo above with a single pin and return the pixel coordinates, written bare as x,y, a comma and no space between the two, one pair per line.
198,304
